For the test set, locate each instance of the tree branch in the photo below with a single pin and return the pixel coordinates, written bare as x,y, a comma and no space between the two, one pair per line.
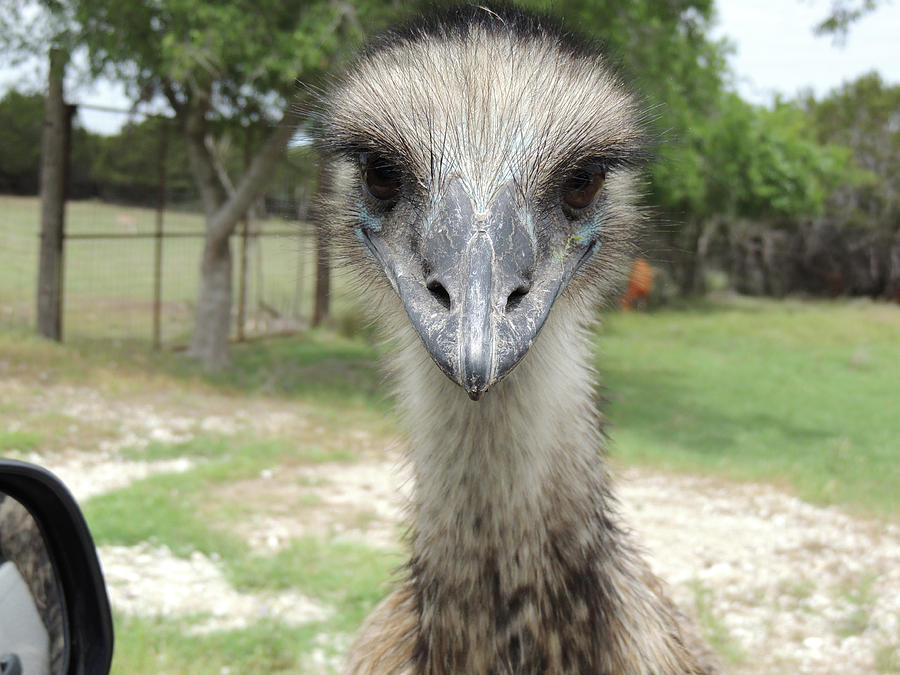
211,190
224,221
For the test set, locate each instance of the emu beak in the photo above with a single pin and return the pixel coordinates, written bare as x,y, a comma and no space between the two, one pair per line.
476,285
484,294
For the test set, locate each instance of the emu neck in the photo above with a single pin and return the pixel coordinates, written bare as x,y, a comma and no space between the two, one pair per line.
501,481
518,565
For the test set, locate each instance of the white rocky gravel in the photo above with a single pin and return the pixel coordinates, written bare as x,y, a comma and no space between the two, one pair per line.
361,502
150,581
786,586
94,473
798,588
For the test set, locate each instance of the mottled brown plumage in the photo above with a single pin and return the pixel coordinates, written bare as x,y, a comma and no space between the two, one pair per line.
519,561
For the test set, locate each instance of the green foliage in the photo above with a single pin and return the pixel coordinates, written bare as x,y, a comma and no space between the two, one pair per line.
127,166
720,159
758,163
30,29
246,51
862,116
664,48
843,14
21,129
21,124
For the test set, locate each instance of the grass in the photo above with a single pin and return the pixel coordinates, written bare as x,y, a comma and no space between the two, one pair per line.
180,512
801,394
109,282
316,365
859,596
714,630
166,647
887,659
18,441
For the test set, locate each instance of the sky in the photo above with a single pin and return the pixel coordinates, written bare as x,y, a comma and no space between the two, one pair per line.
775,51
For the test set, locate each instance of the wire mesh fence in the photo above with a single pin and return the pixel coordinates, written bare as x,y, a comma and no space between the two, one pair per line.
122,280
133,243
19,225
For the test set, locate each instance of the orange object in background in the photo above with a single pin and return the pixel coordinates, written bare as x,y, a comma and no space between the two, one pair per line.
640,282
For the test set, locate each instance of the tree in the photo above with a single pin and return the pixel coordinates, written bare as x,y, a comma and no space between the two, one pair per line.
843,14
233,64
863,211
864,116
664,48
126,166
722,162
25,33
20,138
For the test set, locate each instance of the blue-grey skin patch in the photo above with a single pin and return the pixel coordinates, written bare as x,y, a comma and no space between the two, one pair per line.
367,220
589,231
369,223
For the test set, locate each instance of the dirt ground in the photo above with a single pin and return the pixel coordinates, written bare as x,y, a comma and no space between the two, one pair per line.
779,585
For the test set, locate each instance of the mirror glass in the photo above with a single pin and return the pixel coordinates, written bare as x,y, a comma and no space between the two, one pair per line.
32,615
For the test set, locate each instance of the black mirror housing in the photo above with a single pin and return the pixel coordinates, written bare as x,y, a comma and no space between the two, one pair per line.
88,620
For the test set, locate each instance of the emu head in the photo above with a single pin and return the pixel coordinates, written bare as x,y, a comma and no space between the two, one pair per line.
482,164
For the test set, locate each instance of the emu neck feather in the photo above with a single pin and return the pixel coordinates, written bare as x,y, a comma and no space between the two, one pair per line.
517,564
510,469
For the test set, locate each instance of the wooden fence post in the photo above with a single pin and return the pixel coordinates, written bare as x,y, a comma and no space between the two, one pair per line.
54,165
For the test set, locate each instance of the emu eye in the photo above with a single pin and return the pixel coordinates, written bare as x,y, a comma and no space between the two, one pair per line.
381,178
582,187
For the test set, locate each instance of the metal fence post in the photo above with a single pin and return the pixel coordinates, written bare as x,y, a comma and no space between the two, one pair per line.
242,290
157,252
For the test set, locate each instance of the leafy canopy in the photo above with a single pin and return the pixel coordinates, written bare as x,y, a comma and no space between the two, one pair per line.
250,54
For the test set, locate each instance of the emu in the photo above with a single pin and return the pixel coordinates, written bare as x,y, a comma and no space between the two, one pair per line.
484,164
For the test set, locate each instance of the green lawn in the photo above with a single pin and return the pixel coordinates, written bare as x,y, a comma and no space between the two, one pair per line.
805,395
109,282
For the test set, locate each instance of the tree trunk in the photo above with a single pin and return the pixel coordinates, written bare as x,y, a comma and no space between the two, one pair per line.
54,162
213,316
209,343
691,268
893,283
323,279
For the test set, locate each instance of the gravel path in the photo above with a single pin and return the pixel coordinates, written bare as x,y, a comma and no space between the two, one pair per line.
796,588
783,586
780,586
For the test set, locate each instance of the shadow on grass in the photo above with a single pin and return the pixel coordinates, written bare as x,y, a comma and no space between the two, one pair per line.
664,418
317,365
661,403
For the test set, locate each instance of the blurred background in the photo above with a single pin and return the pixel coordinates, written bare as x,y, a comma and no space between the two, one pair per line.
240,481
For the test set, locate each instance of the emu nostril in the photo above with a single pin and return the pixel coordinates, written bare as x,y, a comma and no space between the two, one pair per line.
438,292
515,298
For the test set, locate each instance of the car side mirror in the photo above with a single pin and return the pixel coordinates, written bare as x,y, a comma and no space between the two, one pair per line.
54,610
